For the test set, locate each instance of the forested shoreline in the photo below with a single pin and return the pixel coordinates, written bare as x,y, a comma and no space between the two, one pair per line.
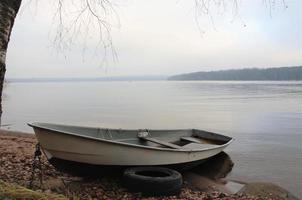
249,74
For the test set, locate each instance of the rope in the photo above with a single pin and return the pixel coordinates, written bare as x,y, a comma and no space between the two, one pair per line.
37,166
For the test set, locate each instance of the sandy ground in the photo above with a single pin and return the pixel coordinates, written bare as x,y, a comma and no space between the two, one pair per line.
16,158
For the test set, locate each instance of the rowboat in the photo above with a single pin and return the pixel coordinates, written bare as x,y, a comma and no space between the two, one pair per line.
119,147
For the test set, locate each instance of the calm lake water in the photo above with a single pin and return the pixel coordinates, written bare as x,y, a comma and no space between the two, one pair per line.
265,118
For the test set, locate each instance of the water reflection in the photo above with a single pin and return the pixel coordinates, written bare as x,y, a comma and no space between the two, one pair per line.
210,175
215,168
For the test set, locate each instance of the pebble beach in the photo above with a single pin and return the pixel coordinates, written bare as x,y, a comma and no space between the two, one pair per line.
16,158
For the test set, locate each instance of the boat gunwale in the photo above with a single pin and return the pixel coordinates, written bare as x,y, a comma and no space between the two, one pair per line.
33,125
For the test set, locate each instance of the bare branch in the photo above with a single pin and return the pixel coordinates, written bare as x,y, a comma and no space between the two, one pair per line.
208,7
85,20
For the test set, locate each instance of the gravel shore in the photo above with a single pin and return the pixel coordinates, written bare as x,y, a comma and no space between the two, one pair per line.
16,158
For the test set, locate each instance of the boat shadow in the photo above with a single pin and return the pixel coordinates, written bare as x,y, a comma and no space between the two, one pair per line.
215,168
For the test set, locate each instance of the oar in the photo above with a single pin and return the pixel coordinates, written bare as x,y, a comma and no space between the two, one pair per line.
145,136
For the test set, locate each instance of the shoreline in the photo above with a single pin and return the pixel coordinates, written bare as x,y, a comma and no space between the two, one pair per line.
16,156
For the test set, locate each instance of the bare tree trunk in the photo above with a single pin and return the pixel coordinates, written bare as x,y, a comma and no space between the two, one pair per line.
8,12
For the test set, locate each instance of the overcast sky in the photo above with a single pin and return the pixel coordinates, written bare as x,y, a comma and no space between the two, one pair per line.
161,37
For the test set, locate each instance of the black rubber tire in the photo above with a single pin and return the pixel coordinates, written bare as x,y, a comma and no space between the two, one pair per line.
152,181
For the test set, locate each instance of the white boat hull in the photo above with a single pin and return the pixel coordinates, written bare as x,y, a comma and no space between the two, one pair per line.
95,152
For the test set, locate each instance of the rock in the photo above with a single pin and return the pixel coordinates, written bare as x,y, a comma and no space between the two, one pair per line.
203,183
234,186
267,191
216,167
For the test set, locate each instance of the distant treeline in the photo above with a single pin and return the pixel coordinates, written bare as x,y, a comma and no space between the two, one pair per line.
89,79
250,74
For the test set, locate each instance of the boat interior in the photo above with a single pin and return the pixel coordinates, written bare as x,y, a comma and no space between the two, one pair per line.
172,139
